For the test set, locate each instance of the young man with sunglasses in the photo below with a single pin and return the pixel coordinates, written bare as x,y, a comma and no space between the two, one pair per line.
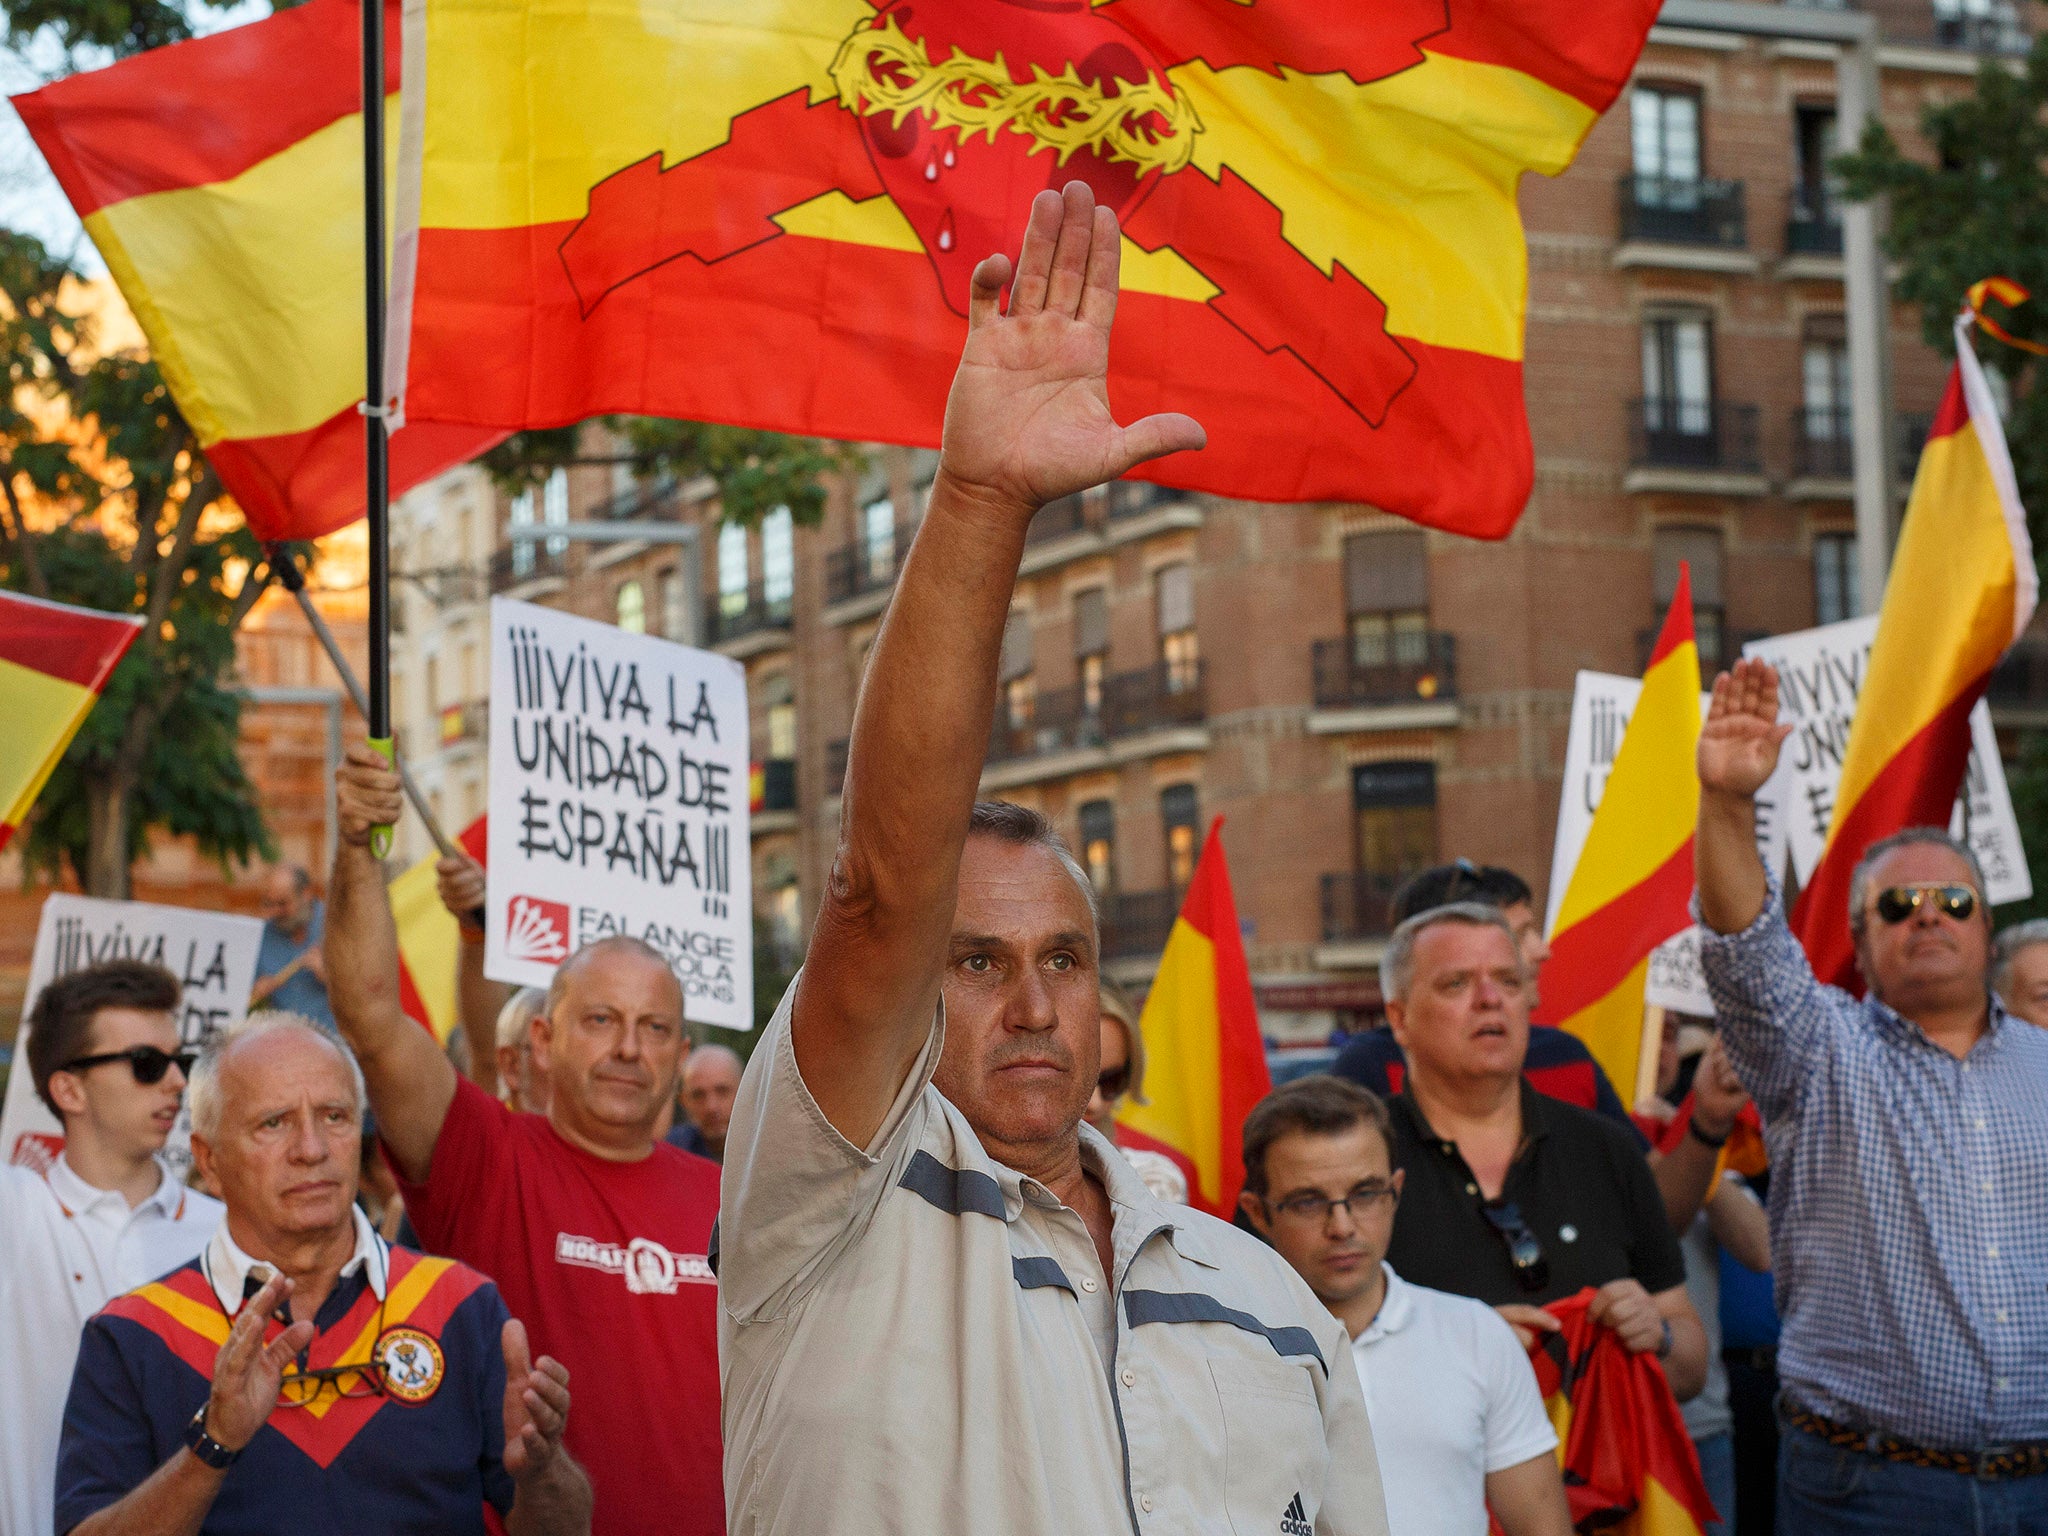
1512,1197
301,1373
1909,1168
103,1054
1457,1418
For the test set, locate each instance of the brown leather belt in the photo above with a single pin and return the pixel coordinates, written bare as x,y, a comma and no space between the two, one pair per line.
1998,1462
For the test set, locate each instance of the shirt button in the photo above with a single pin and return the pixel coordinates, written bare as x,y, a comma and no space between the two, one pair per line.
1130,1378
1980,1122
1145,1502
1992,1250
1089,1285
1471,1189
2001,1314
2000,1384
1987,1186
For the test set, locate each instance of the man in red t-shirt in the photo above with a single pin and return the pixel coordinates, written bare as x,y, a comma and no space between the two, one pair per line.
595,1232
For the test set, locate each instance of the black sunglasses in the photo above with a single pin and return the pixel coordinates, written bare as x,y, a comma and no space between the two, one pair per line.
1111,1084
147,1062
1532,1269
1896,903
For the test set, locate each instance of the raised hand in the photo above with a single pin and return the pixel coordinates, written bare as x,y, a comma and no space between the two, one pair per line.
1739,741
367,794
536,1404
247,1373
460,881
1028,420
1717,1093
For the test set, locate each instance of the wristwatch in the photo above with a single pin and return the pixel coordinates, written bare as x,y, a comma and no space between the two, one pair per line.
1713,1142
1664,1345
204,1446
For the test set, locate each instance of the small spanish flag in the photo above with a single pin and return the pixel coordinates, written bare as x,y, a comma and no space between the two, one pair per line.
54,660
1961,590
1206,1065
1630,890
428,939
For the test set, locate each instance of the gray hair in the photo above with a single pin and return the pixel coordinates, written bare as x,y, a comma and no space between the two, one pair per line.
1397,965
1022,827
1933,837
2006,947
558,985
516,1018
203,1096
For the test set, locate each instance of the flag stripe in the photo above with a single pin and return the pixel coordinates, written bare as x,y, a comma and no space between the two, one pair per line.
1585,51
78,645
1596,954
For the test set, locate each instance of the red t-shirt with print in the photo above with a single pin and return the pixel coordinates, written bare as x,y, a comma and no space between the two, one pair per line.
605,1264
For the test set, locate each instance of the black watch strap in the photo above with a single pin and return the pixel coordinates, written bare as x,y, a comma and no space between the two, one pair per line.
204,1446
1692,1128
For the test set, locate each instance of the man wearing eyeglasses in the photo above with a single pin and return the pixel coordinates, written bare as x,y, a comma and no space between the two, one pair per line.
1457,1417
301,1374
1909,1168
103,1054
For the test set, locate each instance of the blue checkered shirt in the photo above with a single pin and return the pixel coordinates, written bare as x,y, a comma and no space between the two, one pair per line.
1909,1199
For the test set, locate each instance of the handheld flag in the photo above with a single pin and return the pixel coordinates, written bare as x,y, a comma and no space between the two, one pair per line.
1630,890
1962,588
222,181
429,940
1324,259
1205,1062
54,660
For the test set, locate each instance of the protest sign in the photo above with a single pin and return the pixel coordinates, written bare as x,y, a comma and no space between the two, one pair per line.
213,955
618,805
1820,677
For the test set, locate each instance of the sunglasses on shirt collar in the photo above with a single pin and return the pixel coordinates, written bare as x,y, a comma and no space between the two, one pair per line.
1896,903
147,1062
1532,1269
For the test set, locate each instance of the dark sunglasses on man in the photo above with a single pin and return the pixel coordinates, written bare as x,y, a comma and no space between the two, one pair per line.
1532,1269
147,1062
1113,1083
1896,903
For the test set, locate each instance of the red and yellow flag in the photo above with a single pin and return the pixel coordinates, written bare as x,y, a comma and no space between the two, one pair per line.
54,660
222,181
1630,889
1205,1062
1961,590
430,941
765,212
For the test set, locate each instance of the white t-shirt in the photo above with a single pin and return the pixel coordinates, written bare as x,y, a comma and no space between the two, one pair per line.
1452,1397
66,1250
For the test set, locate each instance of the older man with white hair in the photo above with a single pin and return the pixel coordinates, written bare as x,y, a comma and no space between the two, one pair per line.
711,1076
300,1373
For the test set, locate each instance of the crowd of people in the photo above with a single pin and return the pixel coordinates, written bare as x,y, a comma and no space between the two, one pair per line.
904,1271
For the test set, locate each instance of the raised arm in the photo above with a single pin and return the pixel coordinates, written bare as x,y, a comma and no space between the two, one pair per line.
1028,421
1738,749
411,1082
459,880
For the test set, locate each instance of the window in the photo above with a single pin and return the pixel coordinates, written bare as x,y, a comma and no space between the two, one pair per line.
554,506
1813,145
1835,592
1098,844
1678,389
1699,548
732,570
1386,598
783,908
1091,645
675,607
1393,816
1020,690
1664,135
1824,380
522,517
1180,808
878,540
1179,655
778,560
781,696
632,608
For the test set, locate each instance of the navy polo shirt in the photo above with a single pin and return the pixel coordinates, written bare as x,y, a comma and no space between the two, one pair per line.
423,1457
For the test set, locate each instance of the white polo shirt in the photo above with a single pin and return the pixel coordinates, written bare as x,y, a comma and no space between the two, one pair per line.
66,1250
1452,1397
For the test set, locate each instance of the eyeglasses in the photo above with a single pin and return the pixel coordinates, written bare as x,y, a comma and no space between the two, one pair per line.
1896,903
1113,1083
1463,872
365,1378
1314,1210
1532,1269
147,1062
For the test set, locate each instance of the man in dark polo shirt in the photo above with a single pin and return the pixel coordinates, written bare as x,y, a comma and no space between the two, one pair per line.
1512,1196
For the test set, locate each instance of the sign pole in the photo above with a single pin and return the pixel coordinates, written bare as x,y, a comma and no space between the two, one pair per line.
376,443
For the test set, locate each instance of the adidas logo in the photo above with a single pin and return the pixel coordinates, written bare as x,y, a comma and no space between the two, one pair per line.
1295,1521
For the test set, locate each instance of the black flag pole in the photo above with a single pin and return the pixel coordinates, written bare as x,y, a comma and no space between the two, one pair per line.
376,441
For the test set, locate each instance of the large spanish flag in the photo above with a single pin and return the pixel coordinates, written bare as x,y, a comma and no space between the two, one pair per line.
1630,889
54,660
429,940
222,181
1205,1063
765,212
1961,590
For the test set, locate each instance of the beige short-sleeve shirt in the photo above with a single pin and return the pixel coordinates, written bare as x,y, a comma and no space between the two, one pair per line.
912,1339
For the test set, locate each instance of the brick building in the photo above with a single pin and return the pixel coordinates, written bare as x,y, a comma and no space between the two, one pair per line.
1355,696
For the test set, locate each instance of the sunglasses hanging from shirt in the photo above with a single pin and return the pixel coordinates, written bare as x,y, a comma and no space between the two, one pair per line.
1532,1269
1896,903
147,1062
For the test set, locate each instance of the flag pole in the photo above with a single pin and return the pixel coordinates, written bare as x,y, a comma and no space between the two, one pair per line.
376,442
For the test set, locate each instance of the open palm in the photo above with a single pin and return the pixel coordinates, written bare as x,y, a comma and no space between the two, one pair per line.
1028,420
1739,741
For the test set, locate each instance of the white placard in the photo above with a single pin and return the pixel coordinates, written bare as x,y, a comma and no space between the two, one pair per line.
213,955
618,805
1820,678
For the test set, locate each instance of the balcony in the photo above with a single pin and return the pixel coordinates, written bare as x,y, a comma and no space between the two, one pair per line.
1718,647
1697,224
748,623
1162,697
524,563
858,576
1814,227
1102,517
774,796
1141,714
1403,692
1061,721
1135,923
465,724
1057,520
2018,692
1357,911
835,766
1978,28
1823,453
1708,446
1912,437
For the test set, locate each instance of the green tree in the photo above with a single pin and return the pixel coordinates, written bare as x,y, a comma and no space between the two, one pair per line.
105,505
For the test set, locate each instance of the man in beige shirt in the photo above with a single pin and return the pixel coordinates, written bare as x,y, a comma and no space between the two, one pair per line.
946,1304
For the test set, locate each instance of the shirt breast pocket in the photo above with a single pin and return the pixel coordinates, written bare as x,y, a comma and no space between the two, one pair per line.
1275,1456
